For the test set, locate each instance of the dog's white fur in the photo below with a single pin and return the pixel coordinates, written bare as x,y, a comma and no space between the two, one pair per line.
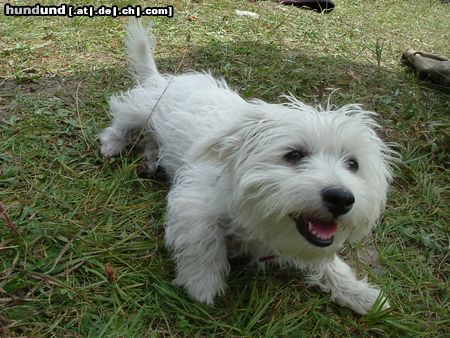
233,188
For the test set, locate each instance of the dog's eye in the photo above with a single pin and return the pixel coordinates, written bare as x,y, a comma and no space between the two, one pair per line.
352,165
294,156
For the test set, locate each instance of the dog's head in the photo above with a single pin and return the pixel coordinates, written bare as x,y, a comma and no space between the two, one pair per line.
302,179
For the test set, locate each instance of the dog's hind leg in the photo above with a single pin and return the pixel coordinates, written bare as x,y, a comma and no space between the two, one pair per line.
339,279
195,237
113,140
130,112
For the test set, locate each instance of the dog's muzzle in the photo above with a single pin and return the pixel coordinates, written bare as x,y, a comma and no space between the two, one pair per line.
319,231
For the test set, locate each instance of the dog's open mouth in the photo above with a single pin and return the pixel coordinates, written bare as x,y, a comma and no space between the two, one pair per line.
316,231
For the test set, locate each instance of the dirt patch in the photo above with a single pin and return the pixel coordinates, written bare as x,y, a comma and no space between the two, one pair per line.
46,87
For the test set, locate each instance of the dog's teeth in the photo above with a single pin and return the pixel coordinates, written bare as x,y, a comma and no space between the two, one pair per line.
310,227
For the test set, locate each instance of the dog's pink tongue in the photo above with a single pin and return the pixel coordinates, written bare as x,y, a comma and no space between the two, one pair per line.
323,228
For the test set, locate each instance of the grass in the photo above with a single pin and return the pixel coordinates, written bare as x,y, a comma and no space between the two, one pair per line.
90,258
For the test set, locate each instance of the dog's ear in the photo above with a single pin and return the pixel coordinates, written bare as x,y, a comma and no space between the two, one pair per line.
233,142
221,146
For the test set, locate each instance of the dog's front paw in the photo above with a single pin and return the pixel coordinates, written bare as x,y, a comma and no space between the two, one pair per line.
361,299
203,290
111,143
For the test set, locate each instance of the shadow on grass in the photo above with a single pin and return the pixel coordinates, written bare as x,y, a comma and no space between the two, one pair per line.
254,69
267,71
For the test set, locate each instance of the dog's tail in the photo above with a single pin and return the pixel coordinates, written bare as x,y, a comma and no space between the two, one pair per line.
140,43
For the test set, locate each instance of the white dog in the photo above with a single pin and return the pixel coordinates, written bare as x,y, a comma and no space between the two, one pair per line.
286,181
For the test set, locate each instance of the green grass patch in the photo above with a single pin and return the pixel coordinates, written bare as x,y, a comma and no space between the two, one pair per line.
90,259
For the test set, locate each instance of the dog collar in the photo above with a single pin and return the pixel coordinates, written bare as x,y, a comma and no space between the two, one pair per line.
267,258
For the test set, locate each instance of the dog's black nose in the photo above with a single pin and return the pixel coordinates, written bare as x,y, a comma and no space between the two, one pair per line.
338,200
